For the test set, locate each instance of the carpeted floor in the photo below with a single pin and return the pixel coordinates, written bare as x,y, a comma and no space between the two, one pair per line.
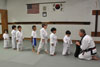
26,58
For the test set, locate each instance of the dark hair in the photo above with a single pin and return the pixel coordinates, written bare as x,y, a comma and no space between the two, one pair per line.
53,29
82,31
44,24
33,26
6,30
68,32
13,26
19,27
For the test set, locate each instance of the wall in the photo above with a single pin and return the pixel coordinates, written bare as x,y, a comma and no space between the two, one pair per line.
3,4
74,10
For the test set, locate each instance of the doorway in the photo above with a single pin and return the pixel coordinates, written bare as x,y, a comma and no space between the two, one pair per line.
3,21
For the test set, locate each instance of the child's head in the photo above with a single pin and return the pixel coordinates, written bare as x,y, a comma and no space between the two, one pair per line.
6,31
68,33
14,27
19,28
34,27
53,30
44,26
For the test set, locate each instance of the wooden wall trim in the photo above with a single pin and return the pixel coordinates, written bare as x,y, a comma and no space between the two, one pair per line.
4,20
94,12
53,22
97,42
93,34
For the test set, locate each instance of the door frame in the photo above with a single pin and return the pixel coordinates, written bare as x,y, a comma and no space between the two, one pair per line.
4,21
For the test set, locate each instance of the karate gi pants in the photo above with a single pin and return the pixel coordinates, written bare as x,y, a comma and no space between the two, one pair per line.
42,44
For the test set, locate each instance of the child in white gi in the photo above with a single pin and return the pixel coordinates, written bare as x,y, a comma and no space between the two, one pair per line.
44,38
33,38
53,41
19,39
13,33
67,42
6,39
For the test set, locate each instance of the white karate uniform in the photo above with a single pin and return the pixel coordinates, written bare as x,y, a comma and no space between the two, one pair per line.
33,34
6,40
87,43
43,35
13,33
53,40
19,37
66,45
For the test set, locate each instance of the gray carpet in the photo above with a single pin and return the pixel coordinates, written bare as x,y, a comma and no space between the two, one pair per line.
12,58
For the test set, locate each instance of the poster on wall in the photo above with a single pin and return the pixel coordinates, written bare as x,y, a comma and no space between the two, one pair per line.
44,14
32,8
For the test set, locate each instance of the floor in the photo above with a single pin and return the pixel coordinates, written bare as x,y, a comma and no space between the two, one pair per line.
12,58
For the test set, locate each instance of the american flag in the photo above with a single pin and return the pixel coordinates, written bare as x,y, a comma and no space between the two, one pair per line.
33,8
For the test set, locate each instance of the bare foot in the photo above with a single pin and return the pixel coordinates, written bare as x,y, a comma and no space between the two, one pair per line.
14,48
38,53
95,58
46,52
6,48
33,50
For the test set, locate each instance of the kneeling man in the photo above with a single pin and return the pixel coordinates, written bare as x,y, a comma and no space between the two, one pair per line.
87,47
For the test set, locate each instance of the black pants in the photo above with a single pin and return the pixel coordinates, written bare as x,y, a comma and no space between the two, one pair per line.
77,51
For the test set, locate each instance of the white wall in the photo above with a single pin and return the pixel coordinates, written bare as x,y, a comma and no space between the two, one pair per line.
3,4
74,10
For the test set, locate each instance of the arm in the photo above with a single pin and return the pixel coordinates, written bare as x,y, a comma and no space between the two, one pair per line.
84,45
13,33
17,36
66,40
44,34
52,40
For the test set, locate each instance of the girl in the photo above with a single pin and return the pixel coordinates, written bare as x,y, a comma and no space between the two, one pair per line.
6,39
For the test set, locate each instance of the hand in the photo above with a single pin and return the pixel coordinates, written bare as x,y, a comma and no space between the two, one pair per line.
52,44
16,40
78,43
43,40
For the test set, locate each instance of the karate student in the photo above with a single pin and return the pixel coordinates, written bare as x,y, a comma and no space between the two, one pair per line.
13,33
44,38
19,39
33,38
6,39
67,42
53,41
87,46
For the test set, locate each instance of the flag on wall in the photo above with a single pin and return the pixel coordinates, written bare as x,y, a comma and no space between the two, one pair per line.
57,7
32,8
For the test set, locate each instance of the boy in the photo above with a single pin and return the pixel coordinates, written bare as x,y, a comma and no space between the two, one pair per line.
33,38
44,38
13,33
67,42
19,39
53,41
6,39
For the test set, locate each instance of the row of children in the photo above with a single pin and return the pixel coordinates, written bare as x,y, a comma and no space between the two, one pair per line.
17,38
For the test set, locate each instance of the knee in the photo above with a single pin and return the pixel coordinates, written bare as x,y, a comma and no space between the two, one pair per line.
80,56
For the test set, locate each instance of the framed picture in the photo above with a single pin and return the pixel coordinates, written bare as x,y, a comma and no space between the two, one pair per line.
44,14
